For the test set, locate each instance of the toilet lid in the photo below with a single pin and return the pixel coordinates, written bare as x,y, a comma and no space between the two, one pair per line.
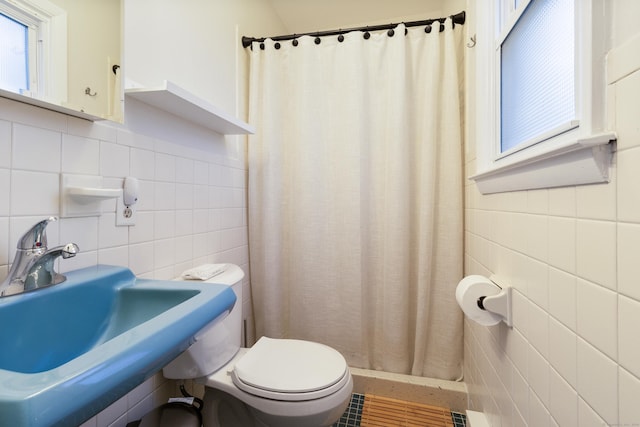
287,369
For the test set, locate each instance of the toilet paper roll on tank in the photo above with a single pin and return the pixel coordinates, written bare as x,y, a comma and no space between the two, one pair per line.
484,301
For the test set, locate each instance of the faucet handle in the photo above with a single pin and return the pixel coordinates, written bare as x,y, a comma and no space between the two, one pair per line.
36,237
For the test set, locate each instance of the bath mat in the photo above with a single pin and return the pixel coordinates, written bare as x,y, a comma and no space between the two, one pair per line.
380,411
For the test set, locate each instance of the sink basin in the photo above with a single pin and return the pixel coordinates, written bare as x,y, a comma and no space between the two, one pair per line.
68,351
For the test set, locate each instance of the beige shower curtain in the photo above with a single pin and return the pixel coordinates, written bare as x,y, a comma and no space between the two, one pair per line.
355,196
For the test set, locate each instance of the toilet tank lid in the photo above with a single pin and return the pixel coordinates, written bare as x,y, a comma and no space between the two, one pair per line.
290,366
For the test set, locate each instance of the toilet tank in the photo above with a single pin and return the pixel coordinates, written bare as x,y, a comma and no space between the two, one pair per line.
217,342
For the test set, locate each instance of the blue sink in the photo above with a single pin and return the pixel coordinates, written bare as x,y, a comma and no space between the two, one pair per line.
68,351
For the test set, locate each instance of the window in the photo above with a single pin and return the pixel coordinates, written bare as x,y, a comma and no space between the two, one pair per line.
540,69
13,55
537,78
33,46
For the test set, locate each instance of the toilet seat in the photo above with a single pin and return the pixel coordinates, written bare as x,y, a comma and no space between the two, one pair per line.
290,370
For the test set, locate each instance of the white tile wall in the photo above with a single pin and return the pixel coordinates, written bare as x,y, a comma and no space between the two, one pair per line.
563,351
628,319
572,357
191,208
628,389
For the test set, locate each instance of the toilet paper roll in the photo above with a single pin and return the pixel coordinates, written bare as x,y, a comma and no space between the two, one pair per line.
467,293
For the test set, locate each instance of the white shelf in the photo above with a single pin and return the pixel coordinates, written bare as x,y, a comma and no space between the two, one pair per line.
177,101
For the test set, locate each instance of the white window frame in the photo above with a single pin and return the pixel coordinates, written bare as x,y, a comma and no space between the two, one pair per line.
47,27
578,154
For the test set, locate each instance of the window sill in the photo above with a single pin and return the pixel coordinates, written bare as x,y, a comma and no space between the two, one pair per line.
49,106
585,161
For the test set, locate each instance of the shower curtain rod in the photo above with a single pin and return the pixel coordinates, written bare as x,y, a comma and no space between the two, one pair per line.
458,18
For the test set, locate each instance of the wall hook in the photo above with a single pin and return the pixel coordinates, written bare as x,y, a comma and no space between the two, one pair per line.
87,91
472,43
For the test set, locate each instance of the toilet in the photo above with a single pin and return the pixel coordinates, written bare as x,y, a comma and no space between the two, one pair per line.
275,383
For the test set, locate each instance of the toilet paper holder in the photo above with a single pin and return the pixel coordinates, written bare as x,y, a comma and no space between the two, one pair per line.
499,303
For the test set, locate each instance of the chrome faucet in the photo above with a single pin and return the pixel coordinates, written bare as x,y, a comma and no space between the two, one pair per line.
33,266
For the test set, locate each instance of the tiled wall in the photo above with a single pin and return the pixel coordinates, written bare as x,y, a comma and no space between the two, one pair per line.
191,207
573,355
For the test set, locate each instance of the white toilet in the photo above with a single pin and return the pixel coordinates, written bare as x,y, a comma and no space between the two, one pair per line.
275,383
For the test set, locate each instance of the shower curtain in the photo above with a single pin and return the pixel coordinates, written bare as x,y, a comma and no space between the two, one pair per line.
356,196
